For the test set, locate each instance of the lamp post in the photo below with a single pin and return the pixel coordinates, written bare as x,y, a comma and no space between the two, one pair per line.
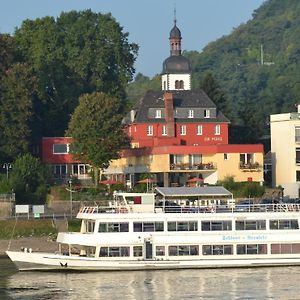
7,166
71,199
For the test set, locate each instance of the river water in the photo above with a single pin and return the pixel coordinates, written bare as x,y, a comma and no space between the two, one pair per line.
244,283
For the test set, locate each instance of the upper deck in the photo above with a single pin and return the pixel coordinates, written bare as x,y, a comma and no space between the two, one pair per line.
161,207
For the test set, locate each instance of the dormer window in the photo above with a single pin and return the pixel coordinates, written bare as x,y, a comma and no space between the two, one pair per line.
191,113
206,113
158,114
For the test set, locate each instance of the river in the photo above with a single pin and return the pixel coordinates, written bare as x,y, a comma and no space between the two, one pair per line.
244,283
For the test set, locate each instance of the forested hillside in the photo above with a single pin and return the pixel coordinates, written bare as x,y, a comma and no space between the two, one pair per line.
257,67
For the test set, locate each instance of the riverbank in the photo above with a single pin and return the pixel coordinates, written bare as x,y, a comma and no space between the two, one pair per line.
41,244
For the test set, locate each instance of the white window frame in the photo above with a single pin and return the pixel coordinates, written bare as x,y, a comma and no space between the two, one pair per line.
182,129
58,153
150,130
206,113
199,129
164,130
158,114
226,156
217,129
191,114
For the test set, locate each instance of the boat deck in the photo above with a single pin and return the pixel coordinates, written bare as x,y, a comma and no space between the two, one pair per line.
251,208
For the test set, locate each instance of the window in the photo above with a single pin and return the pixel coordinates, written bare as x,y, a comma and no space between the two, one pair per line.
114,251
183,250
284,224
182,130
206,113
158,114
176,159
218,129
246,158
297,175
164,130
191,113
285,248
150,130
160,250
252,249
113,227
195,159
137,251
148,226
60,169
216,225
251,225
199,129
60,148
183,226
217,249
179,84
297,134
226,156
297,155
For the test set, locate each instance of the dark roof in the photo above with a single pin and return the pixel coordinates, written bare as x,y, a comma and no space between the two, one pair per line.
176,64
175,32
181,99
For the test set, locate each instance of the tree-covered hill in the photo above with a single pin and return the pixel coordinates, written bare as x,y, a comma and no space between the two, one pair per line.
257,66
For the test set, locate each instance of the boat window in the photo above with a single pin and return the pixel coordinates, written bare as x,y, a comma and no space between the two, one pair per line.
90,226
217,249
216,225
284,224
250,225
148,226
137,251
183,226
114,227
183,250
252,249
114,251
160,250
285,248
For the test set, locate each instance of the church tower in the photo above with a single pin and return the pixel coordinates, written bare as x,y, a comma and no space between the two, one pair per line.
176,74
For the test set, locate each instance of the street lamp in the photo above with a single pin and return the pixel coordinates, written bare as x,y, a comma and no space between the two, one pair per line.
71,199
7,166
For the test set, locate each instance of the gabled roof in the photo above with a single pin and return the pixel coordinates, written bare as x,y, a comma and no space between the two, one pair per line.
181,99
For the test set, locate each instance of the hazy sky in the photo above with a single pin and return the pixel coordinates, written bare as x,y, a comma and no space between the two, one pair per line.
148,22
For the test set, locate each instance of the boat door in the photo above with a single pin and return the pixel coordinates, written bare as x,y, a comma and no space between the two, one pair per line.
148,247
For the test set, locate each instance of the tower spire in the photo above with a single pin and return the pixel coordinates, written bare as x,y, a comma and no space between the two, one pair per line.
175,20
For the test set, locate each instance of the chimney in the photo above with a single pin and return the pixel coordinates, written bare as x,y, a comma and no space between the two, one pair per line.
169,111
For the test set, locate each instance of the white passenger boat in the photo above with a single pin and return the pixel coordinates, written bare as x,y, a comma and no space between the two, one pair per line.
142,232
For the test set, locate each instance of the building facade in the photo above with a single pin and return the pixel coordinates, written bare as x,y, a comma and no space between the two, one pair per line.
285,150
178,136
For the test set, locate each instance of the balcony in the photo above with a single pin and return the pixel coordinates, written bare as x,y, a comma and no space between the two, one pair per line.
192,167
250,167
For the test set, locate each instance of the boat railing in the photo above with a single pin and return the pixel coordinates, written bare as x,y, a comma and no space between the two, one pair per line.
255,208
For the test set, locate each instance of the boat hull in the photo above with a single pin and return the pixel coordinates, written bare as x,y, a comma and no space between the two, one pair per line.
55,262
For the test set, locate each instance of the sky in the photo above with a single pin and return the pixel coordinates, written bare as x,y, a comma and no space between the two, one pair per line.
148,22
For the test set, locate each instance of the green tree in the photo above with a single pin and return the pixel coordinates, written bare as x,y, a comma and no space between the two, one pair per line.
97,131
16,110
29,178
74,54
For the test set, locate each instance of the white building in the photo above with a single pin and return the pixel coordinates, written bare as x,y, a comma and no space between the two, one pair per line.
285,148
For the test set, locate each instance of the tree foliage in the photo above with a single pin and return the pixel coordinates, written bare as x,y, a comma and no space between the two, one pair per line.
29,179
77,53
97,130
